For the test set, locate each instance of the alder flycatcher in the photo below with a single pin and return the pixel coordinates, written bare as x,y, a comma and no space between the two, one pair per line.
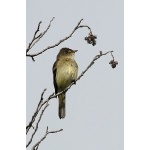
65,71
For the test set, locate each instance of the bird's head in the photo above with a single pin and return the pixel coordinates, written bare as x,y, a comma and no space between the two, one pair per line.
66,53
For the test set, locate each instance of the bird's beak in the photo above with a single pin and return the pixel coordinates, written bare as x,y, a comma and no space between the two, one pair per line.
75,51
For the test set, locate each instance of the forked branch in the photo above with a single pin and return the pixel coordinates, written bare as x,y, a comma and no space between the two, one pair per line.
36,146
90,39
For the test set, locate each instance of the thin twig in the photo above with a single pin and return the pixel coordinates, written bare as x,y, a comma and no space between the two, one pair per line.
85,26
42,34
35,147
112,55
36,37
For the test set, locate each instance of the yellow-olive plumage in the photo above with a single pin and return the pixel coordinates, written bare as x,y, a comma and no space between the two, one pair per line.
65,71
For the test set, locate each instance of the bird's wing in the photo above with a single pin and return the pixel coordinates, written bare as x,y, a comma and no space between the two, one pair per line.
54,77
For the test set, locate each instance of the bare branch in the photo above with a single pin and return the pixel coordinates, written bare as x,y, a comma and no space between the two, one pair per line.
62,40
112,56
35,113
35,147
36,128
42,34
36,37
85,26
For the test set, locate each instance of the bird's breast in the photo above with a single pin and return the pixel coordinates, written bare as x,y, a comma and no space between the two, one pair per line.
66,73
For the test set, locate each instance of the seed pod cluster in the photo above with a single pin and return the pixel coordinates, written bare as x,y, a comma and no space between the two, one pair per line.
113,63
91,39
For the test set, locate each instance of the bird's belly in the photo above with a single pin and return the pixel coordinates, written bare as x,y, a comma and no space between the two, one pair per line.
65,76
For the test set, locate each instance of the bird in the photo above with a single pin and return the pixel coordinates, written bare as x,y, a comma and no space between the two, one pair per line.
65,71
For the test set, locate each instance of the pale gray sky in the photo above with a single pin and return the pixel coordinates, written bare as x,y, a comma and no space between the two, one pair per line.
94,107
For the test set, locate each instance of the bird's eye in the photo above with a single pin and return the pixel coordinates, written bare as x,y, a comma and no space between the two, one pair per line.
66,52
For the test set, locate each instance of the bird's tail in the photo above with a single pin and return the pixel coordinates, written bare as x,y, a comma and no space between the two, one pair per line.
61,109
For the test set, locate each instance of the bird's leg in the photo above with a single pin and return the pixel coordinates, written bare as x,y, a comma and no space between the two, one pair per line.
74,81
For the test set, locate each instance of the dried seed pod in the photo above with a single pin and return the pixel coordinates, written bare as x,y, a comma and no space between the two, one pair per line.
91,39
113,63
116,62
